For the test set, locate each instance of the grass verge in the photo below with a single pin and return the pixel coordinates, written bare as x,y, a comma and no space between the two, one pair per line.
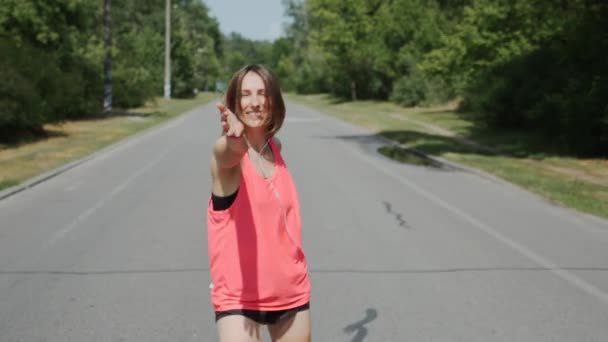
73,140
519,158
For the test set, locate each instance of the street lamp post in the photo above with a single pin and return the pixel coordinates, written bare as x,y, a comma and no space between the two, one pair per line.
107,61
167,87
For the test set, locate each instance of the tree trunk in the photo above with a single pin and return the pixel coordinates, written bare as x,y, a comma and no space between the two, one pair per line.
353,90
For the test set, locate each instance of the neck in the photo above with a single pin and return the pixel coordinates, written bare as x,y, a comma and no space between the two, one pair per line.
257,139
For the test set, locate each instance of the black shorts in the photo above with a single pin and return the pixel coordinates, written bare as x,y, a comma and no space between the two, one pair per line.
263,317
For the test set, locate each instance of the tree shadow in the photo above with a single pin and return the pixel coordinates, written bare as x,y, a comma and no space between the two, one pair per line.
503,144
434,144
517,143
12,137
377,143
359,327
15,137
437,144
337,100
401,222
121,112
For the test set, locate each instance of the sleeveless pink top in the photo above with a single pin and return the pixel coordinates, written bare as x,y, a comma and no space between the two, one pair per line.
255,246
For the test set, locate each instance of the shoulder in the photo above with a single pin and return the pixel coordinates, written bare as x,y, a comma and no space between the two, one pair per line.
278,143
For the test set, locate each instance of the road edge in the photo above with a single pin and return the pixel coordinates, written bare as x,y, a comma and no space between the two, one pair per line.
38,179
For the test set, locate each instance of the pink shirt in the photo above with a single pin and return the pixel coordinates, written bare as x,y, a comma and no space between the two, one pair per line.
255,246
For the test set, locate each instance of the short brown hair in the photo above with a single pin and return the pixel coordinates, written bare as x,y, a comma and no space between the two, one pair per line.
274,98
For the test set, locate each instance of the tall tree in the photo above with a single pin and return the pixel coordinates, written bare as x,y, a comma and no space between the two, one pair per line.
342,31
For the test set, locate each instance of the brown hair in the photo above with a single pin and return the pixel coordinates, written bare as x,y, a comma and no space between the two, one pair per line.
274,98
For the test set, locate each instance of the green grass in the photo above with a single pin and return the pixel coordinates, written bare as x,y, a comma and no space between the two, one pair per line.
517,157
8,183
72,140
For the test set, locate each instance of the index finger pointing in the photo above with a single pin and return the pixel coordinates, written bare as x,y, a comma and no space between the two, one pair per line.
221,107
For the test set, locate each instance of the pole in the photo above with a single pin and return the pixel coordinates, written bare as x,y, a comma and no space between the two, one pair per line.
168,50
107,62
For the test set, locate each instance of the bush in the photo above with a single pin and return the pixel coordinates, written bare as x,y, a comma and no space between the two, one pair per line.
21,105
31,91
559,90
409,90
418,88
37,88
132,86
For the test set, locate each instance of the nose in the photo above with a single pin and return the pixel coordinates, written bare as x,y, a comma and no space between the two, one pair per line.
255,100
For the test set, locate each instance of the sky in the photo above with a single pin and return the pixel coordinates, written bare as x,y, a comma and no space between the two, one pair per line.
253,19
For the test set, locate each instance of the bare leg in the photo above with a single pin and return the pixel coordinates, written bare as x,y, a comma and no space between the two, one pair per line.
237,328
294,329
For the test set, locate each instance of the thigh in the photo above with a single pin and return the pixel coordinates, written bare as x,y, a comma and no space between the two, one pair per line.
293,329
238,328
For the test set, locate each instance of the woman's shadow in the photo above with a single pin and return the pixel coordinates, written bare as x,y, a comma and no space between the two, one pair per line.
359,327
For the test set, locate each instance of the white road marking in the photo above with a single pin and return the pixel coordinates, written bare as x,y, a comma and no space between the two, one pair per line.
538,259
102,201
301,119
73,187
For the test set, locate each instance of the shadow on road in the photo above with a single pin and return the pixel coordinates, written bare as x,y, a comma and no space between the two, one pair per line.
398,216
378,143
359,327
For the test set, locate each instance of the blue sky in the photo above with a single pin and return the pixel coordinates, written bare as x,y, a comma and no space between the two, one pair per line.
253,19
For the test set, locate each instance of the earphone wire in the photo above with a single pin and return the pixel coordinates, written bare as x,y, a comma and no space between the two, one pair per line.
273,188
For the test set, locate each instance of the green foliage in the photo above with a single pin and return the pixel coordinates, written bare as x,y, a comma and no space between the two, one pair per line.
557,90
536,65
196,42
44,57
362,47
342,32
299,64
21,103
140,50
409,90
491,33
52,55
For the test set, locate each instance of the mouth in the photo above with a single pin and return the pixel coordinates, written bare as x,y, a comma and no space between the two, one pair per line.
255,114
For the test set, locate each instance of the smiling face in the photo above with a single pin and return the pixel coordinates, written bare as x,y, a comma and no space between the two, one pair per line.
253,101
255,96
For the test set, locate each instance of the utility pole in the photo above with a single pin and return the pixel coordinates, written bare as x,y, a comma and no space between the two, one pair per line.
107,62
168,50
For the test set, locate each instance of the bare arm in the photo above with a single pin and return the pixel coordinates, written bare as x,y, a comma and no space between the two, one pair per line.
228,151
231,146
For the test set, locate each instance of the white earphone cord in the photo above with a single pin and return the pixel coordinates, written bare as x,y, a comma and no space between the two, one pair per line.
275,192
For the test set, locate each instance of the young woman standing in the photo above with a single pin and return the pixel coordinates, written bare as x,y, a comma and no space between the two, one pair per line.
258,267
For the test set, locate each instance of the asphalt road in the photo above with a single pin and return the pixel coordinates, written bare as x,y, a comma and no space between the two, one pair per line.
114,249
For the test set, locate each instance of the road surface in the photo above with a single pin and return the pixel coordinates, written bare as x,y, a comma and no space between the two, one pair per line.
114,249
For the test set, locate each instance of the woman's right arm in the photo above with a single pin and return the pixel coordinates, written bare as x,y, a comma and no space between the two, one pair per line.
228,151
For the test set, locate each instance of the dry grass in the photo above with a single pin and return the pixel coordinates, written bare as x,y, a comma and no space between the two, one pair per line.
74,139
518,157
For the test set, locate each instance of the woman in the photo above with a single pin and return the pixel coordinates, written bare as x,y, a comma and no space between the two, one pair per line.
258,268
